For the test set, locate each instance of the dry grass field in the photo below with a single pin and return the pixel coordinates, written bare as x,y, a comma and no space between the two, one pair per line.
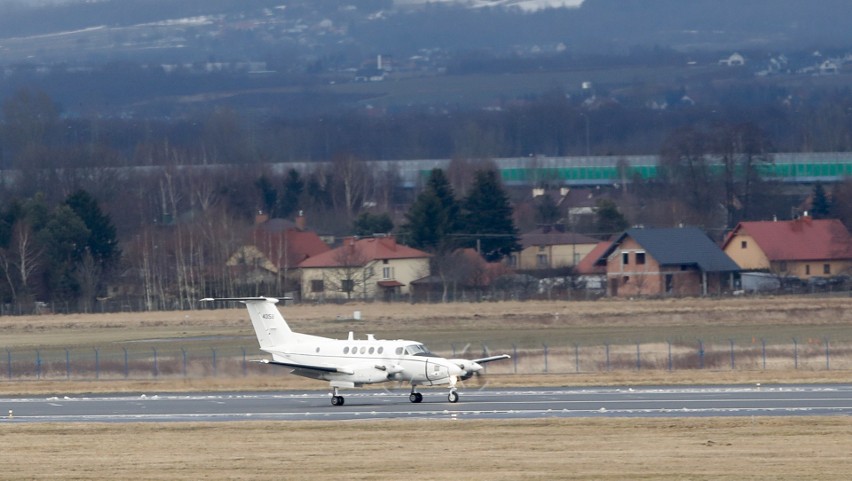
574,449
761,448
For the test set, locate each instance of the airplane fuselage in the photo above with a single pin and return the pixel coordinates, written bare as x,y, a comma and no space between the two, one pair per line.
352,362
367,361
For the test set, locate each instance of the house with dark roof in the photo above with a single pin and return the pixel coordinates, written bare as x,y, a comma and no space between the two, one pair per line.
551,247
666,262
802,248
272,251
363,268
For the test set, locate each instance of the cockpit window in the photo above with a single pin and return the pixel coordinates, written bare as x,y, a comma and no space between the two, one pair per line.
418,350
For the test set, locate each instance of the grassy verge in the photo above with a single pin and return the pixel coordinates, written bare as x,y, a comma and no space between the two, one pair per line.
572,449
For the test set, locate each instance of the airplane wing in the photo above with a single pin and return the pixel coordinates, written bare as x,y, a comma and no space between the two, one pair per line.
491,358
308,367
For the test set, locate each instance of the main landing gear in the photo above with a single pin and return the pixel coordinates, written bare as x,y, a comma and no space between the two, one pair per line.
416,397
336,399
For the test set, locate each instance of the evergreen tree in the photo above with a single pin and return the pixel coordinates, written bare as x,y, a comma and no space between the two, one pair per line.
546,210
820,205
102,241
608,219
268,194
288,201
368,224
488,218
433,217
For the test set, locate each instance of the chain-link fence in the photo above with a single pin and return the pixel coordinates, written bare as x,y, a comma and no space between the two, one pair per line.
172,361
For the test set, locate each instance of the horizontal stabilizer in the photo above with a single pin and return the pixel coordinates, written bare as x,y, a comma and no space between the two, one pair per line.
492,358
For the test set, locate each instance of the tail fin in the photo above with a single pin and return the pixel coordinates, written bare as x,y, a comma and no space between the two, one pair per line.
269,326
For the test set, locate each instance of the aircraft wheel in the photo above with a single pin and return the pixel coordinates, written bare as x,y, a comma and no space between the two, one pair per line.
337,400
415,397
453,397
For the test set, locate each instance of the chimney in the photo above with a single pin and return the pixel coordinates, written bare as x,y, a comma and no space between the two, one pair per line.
260,218
301,221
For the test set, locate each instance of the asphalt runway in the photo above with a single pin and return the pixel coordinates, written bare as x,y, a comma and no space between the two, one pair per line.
503,403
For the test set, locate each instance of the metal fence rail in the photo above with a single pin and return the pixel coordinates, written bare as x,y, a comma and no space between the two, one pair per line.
171,361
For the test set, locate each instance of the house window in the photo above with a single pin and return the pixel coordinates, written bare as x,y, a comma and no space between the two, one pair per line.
625,280
387,272
347,285
826,268
513,260
317,286
783,266
541,260
625,258
744,245
807,269
640,258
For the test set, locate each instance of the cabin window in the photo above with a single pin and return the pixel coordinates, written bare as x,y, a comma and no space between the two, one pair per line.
363,349
346,350
372,350
381,350
317,349
317,285
640,258
399,351
354,350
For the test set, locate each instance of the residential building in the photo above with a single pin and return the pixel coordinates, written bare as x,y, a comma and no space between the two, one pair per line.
269,258
666,262
801,248
551,247
365,268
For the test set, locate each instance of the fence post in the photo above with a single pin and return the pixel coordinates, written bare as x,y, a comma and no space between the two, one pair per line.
156,370
827,355
38,364
607,355
700,354
545,357
126,364
515,356
245,365
97,364
183,353
671,364
795,353
8,363
763,347
638,358
67,364
577,357
733,364
214,361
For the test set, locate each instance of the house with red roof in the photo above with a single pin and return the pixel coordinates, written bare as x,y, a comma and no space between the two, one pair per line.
271,253
802,248
363,268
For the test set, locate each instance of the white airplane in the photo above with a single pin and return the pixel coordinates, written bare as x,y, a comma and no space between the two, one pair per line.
352,363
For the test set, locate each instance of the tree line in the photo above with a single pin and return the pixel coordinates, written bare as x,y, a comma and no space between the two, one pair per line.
93,220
